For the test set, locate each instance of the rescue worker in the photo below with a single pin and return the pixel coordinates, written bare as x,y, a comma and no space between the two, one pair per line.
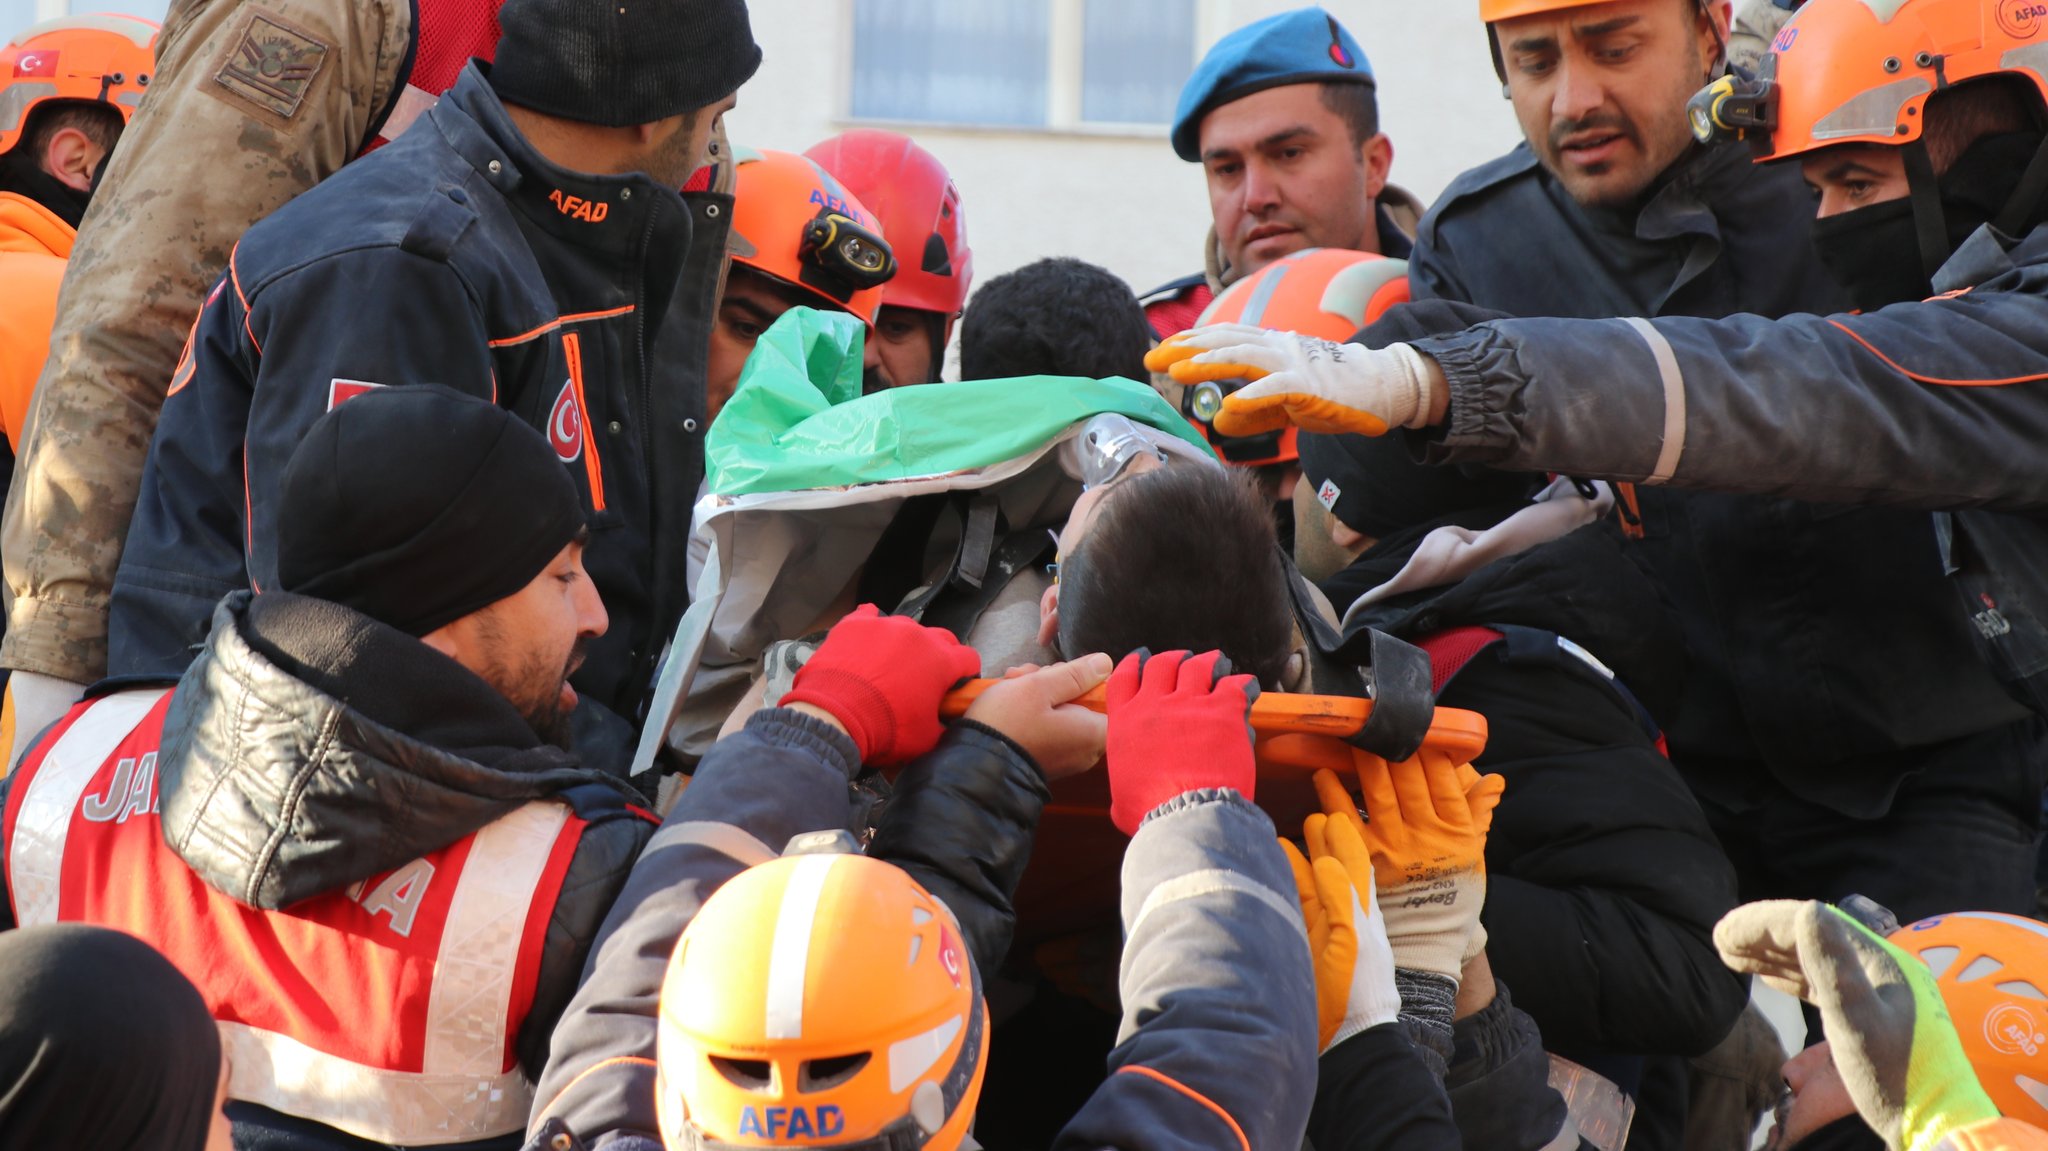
1983,966
914,197
527,245
1055,317
1283,116
353,823
1597,829
799,238
277,96
68,87
1914,1076
1942,794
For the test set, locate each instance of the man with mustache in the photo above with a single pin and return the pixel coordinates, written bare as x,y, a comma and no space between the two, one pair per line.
1283,116
354,823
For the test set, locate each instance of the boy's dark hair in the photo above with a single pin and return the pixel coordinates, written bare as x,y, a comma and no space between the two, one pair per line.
1357,105
1183,557
1057,317
101,123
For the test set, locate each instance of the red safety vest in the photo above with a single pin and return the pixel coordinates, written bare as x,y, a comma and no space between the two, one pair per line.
388,1010
446,33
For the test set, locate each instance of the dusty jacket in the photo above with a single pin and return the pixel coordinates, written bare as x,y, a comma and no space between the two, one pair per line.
310,747
152,244
456,255
1202,884
34,244
1810,628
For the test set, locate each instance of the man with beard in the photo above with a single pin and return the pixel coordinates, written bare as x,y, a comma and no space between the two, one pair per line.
353,824
524,242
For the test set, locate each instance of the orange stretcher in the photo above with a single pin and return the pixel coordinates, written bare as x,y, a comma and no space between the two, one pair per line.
1072,884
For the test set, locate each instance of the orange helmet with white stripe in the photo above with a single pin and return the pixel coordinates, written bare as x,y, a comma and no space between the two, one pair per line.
1329,293
794,221
1993,973
821,1001
83,59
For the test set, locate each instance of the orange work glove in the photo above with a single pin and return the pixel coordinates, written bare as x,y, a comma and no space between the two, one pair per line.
1315,385
1347,936
1427,836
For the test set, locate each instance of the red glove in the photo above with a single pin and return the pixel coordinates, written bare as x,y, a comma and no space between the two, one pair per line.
1174,727
882,676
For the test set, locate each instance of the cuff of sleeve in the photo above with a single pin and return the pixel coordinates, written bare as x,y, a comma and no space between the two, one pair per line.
56,638
1485,1041
786,727
1012,746
1468,359
1195,798
1428,1004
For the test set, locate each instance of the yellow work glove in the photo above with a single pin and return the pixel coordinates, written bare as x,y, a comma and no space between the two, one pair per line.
1346,935
1428,819
1315,385
1892,1038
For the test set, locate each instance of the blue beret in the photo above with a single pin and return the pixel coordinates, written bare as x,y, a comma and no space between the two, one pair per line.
1304,46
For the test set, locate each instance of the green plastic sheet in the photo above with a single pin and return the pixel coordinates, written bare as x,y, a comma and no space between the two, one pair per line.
797,421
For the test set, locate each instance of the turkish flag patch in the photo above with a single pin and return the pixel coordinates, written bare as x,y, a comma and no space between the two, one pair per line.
565,425
340,391
1328,494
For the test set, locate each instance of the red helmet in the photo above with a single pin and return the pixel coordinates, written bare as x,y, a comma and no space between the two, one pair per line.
88,59
913,196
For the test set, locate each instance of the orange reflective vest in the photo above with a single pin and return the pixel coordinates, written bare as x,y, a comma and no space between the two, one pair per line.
388,1009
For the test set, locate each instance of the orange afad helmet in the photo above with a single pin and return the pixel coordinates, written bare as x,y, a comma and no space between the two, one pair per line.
1993,974
1329,293
919,207
793,221
821,1001
90,59
1860,71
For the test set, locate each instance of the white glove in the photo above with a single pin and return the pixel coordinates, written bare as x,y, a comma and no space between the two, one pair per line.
33,703
1315,385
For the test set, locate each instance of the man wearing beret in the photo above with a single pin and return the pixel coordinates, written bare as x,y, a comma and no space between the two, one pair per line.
525,243
352,824
1282,116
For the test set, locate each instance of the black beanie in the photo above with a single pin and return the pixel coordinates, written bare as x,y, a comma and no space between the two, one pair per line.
621,62
1374,487
418,505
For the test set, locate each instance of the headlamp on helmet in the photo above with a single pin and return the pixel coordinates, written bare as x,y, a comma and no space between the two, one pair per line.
1735,107
841,251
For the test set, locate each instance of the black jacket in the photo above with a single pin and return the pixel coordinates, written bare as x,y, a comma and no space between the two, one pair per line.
1603,880
1826,643
310,747
459,256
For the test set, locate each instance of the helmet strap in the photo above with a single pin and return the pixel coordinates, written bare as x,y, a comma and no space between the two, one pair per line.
2033,185
1930,222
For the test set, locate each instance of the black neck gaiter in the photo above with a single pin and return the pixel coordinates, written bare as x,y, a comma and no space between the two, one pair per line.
21,175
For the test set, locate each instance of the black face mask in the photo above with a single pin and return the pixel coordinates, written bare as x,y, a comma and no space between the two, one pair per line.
1874,254
23,177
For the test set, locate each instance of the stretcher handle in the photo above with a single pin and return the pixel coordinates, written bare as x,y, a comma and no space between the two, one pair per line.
1273,713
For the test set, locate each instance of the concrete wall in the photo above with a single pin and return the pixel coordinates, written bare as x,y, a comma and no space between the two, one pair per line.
1122,199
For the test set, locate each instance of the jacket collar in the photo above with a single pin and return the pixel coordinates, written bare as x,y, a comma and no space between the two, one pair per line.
309,747
606,213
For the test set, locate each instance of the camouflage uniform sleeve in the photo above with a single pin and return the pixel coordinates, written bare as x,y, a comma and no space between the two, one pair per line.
252,104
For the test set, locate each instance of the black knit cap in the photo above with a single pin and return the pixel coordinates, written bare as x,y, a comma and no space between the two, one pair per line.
621,62
418,505
1374,487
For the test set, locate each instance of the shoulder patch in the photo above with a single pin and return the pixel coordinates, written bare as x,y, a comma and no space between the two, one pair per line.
270,64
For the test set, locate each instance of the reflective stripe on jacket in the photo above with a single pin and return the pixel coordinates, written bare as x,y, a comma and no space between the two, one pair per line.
387,1009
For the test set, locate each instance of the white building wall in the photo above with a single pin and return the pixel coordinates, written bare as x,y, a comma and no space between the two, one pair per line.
1124,200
